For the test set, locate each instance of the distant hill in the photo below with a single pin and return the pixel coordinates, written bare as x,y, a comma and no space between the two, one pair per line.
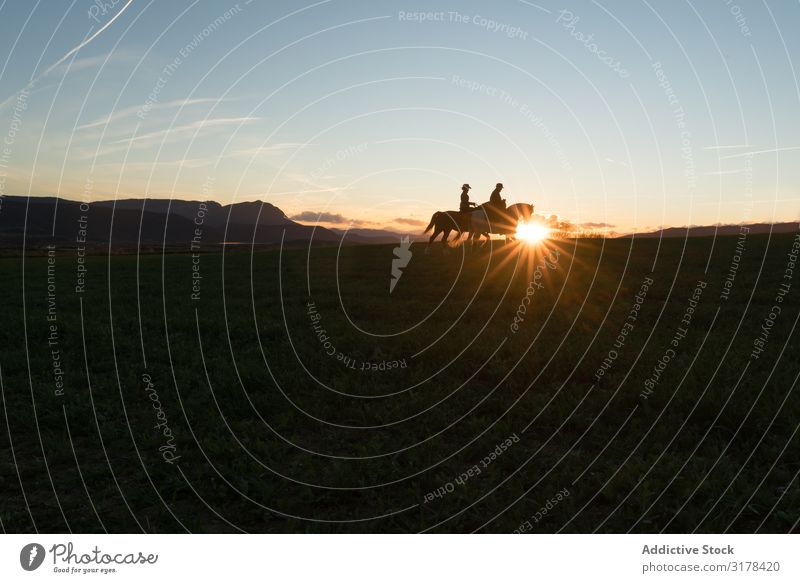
33,222
134,223
216,215
718,230
379,235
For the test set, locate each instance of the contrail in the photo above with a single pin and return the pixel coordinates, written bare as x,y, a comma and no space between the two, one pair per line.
84,43
71,52
718,147
773,150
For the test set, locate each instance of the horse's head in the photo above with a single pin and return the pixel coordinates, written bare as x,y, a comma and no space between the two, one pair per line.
524,211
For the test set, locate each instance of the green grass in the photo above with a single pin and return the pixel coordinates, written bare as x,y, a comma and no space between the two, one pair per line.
265,447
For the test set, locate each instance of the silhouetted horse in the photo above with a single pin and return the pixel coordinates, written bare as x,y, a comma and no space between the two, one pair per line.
446,221
497,221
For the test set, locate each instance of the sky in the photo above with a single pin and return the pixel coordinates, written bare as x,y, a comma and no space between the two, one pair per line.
618,115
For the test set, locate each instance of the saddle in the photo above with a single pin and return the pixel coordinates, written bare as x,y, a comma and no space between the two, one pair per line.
495,215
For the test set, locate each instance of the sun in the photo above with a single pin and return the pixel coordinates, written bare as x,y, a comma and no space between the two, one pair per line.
532,232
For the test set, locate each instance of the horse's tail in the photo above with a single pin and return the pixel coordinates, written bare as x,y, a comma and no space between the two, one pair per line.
432,223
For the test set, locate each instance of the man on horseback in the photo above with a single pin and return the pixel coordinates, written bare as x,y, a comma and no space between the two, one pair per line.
495,200
495,209
492,217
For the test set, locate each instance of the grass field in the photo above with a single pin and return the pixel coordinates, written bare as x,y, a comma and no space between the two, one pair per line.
492,392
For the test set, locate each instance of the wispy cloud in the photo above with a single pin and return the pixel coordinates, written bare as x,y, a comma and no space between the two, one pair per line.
412,222
85,41
722,172
68,54
311,185
612,161
332,218
130,111
727,147
206,161
270,149
592,225
194,127
755,152
92,62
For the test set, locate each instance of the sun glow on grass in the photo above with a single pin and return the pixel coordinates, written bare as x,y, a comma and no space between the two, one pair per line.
532,232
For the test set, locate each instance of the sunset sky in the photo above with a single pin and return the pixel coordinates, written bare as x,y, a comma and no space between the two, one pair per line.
670,113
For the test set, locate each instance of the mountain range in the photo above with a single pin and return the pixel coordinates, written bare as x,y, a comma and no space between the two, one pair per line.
36,221
136,223
718,230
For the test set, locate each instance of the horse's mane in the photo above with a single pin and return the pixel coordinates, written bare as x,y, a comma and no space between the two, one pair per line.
520,205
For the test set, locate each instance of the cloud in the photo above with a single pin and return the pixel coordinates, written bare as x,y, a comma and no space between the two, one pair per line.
555,222
612,161
591,225
127,112
278,148
198,126
770,151
67,55
323,217
412,222
37,86
721,147
311,186
86,41
209,160
85,63
560,224
722,172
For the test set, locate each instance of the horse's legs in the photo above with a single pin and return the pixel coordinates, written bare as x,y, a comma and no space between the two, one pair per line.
446,235
436,232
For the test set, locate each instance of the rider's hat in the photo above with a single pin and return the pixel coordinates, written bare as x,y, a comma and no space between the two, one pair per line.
500,184
467,186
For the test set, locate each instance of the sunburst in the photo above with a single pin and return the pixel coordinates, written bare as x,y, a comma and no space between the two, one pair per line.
532,233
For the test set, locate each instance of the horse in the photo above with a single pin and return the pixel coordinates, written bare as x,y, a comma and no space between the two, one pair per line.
446,221
504,222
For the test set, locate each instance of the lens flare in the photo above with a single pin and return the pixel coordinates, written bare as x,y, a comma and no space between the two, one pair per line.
532,232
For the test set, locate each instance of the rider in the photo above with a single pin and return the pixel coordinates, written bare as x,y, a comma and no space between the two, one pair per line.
495,208
495,200
465,206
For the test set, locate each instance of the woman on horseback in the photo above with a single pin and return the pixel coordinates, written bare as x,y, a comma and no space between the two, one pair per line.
465,206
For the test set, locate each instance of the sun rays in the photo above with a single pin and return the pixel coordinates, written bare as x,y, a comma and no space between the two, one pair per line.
532,233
